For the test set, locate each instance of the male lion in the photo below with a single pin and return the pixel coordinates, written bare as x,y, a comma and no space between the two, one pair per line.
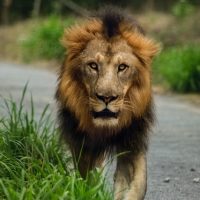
105,99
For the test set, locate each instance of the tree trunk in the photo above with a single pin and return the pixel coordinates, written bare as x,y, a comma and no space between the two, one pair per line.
150,4
75,7
36,8
5,11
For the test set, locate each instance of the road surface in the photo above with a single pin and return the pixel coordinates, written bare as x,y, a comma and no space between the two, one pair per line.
174,154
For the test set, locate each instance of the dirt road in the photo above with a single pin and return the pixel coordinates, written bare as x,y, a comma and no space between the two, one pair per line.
174,154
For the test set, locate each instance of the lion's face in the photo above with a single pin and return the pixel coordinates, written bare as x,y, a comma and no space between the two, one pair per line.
105,82
108,71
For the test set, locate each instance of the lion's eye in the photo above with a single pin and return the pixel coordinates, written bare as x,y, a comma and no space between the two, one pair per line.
122,67
93,66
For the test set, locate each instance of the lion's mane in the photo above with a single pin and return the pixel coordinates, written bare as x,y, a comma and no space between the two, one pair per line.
72,97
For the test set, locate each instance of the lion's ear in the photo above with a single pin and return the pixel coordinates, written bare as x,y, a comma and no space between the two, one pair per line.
76,37
148,50
143,47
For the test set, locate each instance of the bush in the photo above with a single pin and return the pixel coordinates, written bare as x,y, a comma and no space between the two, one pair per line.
34,166
180,67
182,8
44,41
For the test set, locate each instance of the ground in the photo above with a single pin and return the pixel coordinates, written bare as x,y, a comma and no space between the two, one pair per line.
174,154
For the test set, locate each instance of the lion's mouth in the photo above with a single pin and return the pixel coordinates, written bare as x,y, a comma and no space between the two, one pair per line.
106,113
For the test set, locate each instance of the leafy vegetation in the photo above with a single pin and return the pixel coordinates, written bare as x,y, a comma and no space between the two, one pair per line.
43,41
34,166
180,68
182,8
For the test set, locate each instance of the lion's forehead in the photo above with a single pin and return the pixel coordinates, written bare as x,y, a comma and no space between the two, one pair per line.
106,49
114,52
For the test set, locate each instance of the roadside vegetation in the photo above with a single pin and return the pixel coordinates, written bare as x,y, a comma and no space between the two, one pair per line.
43,41
179,68
33,164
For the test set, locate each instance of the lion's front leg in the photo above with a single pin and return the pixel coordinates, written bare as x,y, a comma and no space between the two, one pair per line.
130,177
85,161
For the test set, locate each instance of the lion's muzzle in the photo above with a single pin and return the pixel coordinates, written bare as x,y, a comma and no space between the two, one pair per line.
106,99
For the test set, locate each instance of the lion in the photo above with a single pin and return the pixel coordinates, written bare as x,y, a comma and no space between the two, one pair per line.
105,98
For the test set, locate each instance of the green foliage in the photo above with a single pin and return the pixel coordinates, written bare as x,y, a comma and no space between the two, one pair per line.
44,41
34,166
182,8
180,67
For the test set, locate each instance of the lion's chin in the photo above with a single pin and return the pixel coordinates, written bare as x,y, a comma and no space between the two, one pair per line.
106,122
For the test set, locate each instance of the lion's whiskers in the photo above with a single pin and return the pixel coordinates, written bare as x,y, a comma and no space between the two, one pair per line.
127,104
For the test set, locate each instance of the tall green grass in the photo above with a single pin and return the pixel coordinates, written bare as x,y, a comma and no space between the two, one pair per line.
33,165
179,67
43,42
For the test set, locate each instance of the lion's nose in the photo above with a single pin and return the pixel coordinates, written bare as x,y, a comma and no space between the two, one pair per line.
106,99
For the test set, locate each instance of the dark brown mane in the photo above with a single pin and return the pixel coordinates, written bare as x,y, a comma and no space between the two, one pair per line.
112,17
